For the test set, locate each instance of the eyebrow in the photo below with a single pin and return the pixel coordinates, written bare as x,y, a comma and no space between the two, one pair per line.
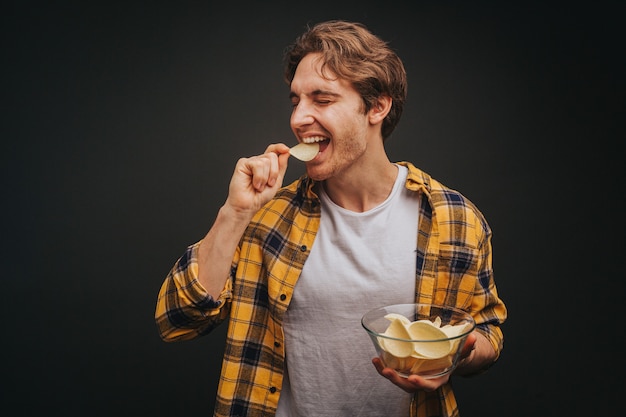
315,93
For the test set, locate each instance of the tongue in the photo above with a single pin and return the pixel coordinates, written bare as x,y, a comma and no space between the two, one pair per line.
324,145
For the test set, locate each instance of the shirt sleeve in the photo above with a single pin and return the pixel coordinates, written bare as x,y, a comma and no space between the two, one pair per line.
490,310
185,310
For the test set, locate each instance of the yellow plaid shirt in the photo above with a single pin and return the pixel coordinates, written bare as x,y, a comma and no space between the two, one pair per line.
453,267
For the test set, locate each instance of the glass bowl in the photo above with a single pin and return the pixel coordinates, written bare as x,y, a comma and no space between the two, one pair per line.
418,339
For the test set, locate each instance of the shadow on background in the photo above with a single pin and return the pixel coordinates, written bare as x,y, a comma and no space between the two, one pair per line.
123,123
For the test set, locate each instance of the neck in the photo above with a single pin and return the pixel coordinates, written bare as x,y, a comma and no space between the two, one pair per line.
362,191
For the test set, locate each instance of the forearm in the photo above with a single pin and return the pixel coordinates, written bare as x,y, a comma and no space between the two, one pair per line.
216,251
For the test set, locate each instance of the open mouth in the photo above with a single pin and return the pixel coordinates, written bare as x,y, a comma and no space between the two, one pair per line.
323,141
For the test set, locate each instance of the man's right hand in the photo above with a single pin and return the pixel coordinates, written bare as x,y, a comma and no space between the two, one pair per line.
257,179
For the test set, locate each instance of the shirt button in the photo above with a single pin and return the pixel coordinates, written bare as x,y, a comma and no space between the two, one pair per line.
283,297
273,390
303,248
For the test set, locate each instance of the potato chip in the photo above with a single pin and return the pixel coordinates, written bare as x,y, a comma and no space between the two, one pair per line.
430,341
425,330
305,151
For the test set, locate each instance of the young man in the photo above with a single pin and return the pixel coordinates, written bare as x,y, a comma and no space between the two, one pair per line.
293,269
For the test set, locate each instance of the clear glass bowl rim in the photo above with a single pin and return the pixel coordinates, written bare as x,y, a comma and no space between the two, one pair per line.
440,306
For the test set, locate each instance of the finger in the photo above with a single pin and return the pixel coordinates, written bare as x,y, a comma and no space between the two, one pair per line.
279,169
378,364
277,148
394,377
468,346
275,171
411,383
388,373
259,168
423,384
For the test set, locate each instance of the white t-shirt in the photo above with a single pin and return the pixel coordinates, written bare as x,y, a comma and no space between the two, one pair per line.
359,261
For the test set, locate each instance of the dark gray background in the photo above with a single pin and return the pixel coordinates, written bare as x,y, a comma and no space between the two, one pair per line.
122,123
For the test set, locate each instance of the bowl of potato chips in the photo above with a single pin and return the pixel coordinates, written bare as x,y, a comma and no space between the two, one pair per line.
418,339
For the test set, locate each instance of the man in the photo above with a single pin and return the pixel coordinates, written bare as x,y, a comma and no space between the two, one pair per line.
293,269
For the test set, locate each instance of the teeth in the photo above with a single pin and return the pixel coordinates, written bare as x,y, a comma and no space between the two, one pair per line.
313,139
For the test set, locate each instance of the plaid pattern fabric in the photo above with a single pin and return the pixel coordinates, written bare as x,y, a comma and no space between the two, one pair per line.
453,266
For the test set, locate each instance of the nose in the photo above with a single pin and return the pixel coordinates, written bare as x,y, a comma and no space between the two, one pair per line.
301,115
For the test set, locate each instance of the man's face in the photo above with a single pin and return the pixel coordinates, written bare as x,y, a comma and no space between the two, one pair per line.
330,109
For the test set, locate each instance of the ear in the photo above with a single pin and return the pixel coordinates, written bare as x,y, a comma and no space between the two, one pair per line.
379,111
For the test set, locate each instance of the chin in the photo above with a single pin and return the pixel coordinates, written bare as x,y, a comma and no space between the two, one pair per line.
316,174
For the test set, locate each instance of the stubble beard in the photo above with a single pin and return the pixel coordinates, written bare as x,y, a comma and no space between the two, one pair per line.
346,150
